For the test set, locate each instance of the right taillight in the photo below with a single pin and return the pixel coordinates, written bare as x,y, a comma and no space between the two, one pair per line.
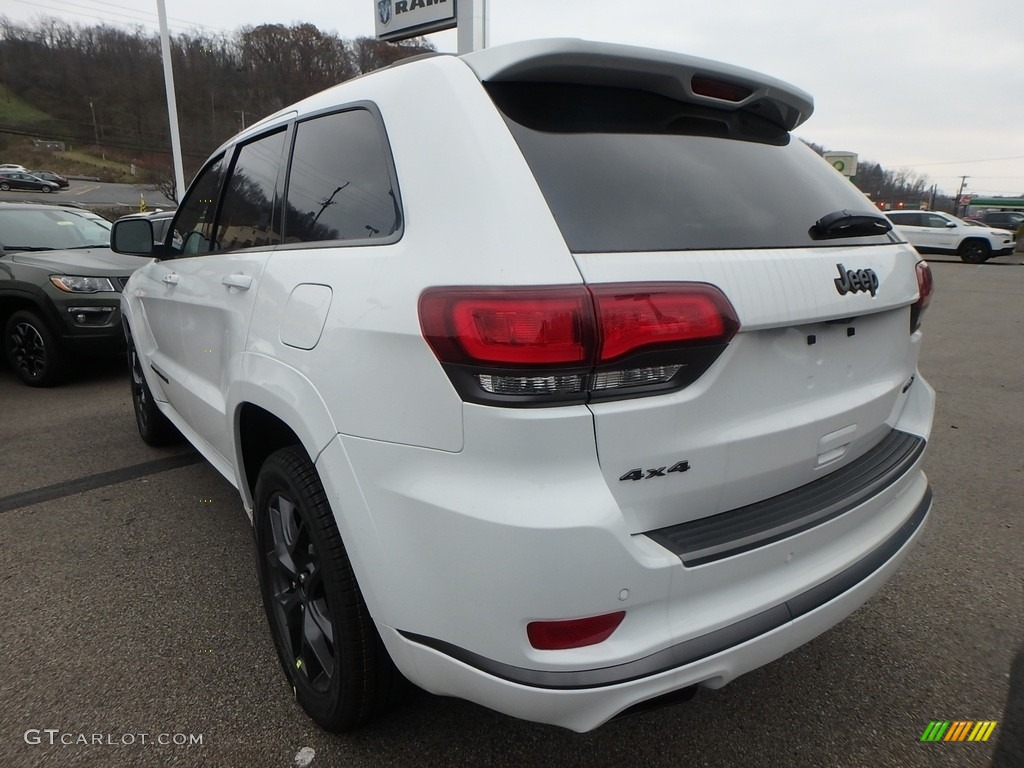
925,289
553,345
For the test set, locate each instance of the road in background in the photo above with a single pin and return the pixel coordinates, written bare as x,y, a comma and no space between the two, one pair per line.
95,193
131,606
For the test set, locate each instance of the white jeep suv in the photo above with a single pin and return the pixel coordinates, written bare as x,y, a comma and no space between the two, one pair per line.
517,404
937,232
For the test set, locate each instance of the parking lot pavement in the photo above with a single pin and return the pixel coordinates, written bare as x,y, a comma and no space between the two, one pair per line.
131,611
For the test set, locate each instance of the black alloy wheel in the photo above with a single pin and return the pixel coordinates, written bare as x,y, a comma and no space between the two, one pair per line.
32,350
974,251
326,641
154,428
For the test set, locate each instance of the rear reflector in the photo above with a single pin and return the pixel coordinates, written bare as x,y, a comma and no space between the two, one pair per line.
555,344
573,633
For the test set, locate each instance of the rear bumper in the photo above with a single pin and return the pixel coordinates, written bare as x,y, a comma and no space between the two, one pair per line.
584,699
456,553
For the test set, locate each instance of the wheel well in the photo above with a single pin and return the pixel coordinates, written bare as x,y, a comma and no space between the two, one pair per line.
260,433
9,305
975,240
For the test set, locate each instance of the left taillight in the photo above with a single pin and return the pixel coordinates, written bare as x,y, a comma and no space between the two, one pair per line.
553,345
925,289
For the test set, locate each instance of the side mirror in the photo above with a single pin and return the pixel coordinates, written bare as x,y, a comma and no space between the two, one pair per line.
950,225
133,237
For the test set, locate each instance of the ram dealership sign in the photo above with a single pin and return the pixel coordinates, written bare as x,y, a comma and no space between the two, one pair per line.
400,19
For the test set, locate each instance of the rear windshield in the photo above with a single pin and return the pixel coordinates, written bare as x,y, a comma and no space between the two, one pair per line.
629,170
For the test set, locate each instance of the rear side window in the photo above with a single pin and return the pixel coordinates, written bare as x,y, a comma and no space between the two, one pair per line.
628,170
907,219
340,184
248,216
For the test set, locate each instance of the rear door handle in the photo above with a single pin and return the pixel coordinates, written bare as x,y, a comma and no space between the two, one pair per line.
241,282
171,279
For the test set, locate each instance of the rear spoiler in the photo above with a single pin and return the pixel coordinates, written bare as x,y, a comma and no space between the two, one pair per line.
674,75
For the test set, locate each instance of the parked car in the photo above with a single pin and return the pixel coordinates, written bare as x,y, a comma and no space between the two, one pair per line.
22,180
56,178
1010,220
60,288
11,167
547,425
937,232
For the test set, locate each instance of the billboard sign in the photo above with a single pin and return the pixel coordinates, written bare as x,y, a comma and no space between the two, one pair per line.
401,19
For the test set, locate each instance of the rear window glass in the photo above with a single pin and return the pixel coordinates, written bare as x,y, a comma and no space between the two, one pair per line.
629,170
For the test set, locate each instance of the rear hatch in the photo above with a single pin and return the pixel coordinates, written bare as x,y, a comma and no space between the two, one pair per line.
657,182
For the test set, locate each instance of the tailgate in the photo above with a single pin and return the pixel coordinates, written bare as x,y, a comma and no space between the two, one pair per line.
812,381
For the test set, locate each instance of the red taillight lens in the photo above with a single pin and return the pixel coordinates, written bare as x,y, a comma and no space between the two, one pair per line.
522,330
513,326
557,344
665,314
573,633
925,289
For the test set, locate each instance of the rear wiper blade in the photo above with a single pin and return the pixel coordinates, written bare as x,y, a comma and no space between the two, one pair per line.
846,223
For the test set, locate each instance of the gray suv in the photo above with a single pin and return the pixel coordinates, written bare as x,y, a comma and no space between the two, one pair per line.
60,287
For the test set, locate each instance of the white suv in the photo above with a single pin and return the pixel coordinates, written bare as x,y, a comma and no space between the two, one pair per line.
937,232
517,403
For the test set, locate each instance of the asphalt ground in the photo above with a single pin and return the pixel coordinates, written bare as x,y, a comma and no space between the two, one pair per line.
130,610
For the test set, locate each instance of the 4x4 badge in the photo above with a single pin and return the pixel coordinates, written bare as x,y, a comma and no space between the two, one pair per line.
854,282
638,474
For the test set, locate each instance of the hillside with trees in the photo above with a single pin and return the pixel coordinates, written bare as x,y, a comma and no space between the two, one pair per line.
103,87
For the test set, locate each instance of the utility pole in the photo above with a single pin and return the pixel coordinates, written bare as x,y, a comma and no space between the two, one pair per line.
959,194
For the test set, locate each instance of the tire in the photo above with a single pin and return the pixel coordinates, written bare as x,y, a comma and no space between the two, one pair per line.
5,186
32,350
326,641
154,428
974,251
47,189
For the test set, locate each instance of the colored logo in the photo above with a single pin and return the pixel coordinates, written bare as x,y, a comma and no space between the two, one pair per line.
958,730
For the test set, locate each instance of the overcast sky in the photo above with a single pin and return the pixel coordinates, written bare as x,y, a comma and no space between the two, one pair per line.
934,86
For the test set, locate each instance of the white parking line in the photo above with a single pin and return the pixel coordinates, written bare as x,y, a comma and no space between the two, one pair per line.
81,190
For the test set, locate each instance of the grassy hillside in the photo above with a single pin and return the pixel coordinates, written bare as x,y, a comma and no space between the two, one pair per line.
15,112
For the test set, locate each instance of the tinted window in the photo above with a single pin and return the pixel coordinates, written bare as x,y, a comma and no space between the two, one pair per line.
192,233
248,216
627,170
906,219
340,185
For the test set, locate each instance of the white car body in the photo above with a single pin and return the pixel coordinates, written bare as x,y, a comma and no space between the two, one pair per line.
938,232
466,521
